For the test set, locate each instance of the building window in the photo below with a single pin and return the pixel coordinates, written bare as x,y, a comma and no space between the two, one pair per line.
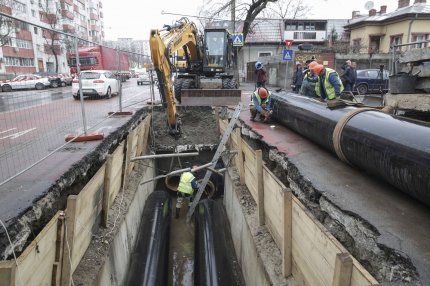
264,54
33,13
21,62
305,35
356,45
419,38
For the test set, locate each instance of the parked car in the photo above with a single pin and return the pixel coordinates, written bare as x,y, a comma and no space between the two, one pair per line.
370,81
66,79
26,81
96,82
54,78
143,79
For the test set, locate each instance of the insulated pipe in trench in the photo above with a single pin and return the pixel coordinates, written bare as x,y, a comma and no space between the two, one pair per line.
389,147
215,262
150,259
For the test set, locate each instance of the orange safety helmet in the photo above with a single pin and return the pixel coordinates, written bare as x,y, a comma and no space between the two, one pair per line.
312,64
262,92
316,69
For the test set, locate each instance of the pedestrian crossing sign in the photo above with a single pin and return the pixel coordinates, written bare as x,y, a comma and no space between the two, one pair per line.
287,55
237,40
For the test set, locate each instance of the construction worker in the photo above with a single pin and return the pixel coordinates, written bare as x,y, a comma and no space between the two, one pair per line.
329,85
261,74
309,81
260,104
187,185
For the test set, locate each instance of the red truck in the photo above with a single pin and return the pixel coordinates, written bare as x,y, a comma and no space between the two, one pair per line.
100,58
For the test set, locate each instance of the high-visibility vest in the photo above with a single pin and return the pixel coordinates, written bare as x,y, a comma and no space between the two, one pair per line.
185,183
329,89
260,101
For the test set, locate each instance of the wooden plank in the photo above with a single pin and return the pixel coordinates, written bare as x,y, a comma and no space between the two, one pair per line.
361,276
117,172
260,186
107,190
223,126
251,183
140,135
239,157
273,206
88,208
130,151
147,126
6,273
342,270
287,255
249,153
66,268
59,245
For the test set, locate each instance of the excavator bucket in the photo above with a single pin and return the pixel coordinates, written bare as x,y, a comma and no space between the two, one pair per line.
210,97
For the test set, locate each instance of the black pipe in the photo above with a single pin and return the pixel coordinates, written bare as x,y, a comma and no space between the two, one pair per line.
150,259
389,147
215,262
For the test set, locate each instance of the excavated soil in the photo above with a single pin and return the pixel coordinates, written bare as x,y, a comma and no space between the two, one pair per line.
198,129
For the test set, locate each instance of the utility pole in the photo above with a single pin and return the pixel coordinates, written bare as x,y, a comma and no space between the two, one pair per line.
235,49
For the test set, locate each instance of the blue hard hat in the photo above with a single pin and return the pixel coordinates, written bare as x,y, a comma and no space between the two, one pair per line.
258,65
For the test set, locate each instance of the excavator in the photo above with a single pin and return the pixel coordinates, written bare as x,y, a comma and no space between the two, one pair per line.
204,76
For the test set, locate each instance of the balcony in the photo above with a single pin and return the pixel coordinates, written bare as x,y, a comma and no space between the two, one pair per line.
48,18
48,49
75,8
82,2
5,9
100,4
24,35
51,35
17,52
95,28
94,16
70,2
67,14
68,28
84,23
306,36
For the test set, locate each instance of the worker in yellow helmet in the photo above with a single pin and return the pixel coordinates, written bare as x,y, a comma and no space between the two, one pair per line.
187,185
329,86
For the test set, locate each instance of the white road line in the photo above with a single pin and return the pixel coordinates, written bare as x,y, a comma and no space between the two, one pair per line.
18,134
1,132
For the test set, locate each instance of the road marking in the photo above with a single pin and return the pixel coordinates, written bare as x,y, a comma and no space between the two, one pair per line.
18,134
7,130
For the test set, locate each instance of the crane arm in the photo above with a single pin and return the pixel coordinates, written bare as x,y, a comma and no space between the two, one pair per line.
160,60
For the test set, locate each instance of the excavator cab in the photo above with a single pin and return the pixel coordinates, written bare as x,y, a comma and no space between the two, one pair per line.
216,51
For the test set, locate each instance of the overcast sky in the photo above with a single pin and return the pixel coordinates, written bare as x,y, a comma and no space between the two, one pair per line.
134,18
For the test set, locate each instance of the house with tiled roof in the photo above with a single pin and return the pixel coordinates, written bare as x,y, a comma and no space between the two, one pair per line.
376,32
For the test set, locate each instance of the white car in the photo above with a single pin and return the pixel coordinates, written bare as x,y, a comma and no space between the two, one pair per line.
26,81
99,82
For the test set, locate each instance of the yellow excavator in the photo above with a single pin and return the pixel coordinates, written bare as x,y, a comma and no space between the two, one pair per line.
204,76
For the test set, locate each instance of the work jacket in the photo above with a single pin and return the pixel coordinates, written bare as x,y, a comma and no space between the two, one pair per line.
309,84
331,80
185,183
257,101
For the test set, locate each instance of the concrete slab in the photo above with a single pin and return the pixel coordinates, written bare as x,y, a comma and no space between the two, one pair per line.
399,222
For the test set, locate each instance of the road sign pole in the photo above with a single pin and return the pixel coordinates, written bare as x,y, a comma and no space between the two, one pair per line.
286,75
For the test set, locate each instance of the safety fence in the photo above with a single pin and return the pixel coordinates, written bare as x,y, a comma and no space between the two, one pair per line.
60,85
52,257
309,252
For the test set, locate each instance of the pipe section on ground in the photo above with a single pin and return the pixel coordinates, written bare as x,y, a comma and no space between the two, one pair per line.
150,259
389,147
215,261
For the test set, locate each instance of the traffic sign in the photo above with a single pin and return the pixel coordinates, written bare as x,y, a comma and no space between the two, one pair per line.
237,40
287,55
288,43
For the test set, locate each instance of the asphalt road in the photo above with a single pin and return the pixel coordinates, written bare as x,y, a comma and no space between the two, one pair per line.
33,126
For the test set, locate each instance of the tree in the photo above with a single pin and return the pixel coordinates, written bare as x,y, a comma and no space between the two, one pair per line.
6,28
50,15
287,9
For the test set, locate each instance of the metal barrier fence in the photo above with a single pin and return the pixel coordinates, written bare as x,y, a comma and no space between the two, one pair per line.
49,101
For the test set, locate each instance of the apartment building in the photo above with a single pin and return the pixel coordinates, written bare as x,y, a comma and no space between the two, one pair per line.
139,49
27,48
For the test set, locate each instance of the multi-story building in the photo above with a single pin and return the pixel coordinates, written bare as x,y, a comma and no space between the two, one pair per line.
313,30
376,32
28,48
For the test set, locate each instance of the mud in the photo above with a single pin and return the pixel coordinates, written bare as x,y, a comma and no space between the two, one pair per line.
25,227
198,130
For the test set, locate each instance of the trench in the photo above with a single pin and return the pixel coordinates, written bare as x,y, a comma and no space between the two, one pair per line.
170,251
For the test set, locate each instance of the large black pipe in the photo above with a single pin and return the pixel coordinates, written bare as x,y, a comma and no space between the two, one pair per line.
215,262
150,259
389,147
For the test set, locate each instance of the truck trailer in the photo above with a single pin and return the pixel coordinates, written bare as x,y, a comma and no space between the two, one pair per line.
100,58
